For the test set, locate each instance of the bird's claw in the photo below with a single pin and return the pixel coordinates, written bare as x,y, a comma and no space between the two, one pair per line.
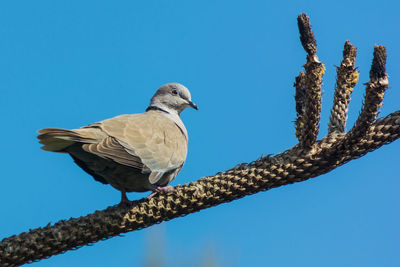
158,189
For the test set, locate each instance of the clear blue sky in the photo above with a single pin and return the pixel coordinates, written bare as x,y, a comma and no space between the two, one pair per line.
70,63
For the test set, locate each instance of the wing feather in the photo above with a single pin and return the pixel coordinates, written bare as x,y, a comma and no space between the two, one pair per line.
110,148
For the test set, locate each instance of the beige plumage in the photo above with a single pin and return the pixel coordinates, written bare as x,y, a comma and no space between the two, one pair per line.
133,153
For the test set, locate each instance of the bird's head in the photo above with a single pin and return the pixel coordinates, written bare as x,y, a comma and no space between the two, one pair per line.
173,98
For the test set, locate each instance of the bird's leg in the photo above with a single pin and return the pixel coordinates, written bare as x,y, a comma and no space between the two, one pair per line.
124,198
156,189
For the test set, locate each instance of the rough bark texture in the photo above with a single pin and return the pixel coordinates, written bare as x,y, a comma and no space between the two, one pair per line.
347,78
308,88
310,158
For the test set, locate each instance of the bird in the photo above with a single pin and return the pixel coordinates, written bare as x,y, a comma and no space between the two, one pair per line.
131,152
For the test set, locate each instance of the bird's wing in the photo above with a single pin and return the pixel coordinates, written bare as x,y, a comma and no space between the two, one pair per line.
93,140
148,141
110,148
155,139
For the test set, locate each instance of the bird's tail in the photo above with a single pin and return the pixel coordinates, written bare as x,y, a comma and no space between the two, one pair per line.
57,140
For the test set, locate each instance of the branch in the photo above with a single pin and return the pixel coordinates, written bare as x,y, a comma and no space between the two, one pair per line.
347,78
308,88
375,91
307,159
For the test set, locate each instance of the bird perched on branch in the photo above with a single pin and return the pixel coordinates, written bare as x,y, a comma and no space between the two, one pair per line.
134,152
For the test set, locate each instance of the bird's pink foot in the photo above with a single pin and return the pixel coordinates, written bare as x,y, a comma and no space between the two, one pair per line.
157,189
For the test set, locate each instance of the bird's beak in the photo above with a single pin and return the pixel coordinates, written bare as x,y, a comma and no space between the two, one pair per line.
193,105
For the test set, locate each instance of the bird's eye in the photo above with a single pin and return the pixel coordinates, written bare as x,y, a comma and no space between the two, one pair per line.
174,92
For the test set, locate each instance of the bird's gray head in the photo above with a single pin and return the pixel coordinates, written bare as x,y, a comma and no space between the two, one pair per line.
172,98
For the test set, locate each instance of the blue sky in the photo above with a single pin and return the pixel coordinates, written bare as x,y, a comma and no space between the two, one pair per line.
70,63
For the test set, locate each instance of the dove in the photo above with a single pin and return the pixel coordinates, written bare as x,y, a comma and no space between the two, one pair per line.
132,152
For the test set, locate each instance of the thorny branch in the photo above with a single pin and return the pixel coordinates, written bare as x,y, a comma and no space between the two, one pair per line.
347,78
309,158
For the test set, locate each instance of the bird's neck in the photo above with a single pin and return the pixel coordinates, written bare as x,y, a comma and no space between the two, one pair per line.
156,108
163,108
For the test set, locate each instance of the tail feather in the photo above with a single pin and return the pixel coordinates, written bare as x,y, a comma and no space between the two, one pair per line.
57,140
